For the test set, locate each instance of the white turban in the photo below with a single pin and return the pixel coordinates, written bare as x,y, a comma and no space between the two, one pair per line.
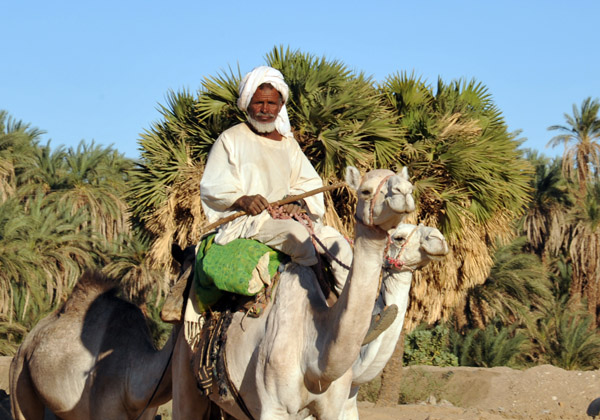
253,80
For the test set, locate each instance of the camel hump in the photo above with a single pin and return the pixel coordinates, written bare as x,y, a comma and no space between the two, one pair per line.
90,285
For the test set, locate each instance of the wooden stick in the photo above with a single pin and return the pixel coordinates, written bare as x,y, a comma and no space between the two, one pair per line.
287,200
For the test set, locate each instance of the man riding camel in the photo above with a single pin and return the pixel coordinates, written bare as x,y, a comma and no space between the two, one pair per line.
257,162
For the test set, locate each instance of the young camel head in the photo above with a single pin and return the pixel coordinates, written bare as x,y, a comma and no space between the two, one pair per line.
413,247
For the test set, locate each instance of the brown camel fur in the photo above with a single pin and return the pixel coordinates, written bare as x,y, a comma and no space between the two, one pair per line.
92,359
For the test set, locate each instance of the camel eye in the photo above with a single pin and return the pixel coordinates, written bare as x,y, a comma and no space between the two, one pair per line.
399,240
365,192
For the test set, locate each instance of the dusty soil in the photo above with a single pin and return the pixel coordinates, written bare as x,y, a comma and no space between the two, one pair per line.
540,393
462,393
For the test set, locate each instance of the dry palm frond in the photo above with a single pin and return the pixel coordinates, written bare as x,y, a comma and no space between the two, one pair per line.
340,205
179,217
453,126
333,219
7,175
558,232
108,211
441,286
585,256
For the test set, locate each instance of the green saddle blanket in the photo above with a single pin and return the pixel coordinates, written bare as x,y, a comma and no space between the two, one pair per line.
243,266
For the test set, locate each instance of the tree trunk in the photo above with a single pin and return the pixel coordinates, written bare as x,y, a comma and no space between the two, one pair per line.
391,379
592,299
460,316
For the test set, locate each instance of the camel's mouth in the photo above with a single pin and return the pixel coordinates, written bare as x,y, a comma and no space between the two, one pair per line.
401,203
436,248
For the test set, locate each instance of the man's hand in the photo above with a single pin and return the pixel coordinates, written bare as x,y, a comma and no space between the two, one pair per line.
291,209
251,204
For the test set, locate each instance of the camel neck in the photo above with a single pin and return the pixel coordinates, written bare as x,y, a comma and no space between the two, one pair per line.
350,317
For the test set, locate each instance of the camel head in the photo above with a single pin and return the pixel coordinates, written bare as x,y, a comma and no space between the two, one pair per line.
413,247
384,198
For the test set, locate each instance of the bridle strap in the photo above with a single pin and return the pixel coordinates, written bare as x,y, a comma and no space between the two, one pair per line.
377,191
397,262
371,225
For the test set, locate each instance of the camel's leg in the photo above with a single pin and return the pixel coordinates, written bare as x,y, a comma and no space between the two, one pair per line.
24,400
350,411
188,402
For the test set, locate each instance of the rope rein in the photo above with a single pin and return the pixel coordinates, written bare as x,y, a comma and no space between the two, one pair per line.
305,220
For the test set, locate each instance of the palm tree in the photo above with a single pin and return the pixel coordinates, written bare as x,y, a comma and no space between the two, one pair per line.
581,157
95,181
47,171
43,248
566,337
63,246
57,211
516,289
584,250
495,345
471,182
13,228
42,264
545,223
17,143
42,253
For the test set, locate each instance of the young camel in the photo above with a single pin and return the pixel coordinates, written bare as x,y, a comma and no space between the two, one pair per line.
296,359
93,359
412,248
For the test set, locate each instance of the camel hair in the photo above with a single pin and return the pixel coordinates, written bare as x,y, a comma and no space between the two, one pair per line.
412,248
296,359
92,359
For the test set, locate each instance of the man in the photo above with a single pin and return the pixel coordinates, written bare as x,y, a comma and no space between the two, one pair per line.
257,162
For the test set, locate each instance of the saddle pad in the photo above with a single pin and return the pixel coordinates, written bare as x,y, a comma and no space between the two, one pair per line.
243,266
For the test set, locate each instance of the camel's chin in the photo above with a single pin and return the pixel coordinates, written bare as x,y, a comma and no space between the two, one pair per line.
436,257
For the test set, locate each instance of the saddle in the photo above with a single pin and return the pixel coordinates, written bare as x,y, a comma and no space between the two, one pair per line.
237,272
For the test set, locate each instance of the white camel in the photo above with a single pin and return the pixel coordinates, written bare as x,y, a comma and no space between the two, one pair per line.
93,359
412,248
296,359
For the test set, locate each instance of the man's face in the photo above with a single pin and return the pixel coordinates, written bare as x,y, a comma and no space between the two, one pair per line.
265,104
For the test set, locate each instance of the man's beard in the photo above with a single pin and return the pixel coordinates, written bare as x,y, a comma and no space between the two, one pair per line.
260,126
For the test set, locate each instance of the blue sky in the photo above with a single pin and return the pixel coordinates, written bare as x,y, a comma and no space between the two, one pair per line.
83,70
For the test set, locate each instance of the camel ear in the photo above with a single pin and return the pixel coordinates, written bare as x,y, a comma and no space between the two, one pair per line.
404,173
353,177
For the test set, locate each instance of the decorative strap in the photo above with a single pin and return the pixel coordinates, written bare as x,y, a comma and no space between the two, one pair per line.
397,262
377,191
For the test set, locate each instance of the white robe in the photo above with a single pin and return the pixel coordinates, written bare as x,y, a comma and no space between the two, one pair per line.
243,163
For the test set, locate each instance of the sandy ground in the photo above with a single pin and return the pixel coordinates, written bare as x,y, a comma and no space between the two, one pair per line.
462,393
540,393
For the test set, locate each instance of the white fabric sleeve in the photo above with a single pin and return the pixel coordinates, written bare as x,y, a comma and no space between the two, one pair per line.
220,186
305,178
